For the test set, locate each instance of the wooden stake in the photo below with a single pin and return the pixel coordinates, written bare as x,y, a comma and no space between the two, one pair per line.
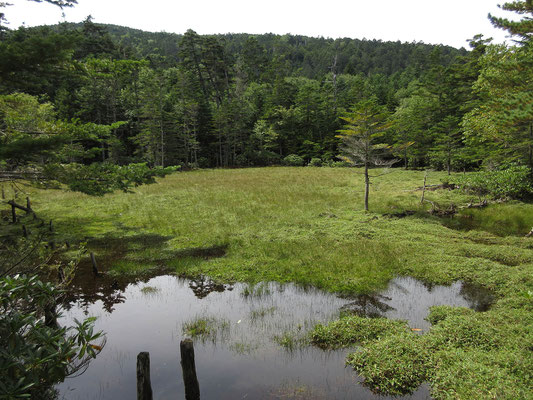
24,231
144,386
13,214
61,274
190,380
424,188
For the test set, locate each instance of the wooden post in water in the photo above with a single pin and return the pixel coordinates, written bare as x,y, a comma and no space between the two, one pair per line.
144,386
95,267
192,388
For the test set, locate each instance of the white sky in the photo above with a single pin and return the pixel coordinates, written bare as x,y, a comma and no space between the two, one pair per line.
448,22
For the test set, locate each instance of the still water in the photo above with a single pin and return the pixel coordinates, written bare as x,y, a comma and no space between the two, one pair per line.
241,360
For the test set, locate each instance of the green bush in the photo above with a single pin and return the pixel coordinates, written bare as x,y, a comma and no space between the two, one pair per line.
36,353
513,182
293,160
98,179
338,164
315,162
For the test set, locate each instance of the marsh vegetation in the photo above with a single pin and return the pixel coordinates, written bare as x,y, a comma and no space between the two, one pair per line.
304,226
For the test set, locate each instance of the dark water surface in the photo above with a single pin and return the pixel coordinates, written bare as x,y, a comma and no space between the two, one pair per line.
242,361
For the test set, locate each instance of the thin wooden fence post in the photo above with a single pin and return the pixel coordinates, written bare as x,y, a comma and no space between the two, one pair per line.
13,214
424,188
190,380
28,205
144,386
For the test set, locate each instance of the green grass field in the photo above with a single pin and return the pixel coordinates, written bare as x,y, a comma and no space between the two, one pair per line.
306,225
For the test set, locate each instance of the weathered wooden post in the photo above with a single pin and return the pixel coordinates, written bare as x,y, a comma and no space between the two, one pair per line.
13,213
144,386
424,188
61,274
24,231
95,267
190,380
28,205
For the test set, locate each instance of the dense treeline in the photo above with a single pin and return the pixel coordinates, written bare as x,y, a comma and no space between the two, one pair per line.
251,100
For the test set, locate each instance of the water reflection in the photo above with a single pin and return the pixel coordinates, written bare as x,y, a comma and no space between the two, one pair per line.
245,363
409,299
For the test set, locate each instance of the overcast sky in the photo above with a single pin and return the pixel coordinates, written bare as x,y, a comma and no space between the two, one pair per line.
448,22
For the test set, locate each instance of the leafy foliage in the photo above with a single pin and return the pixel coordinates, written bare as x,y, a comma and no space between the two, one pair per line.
512,182
293,160
36,353
101,178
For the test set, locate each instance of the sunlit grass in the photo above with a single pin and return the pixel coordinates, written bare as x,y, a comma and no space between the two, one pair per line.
303,225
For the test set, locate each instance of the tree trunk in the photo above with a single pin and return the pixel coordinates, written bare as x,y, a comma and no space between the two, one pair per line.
449,163
367,186
530,147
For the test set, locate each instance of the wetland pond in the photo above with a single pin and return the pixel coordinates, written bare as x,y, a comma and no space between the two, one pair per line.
240,357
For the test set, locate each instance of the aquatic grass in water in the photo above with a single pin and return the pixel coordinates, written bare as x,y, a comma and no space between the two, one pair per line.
262,313
292,340
206,328
149,290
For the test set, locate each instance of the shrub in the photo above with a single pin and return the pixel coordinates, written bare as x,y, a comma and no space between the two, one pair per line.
101,178
315,162
37,353
293,160
512,182
338,164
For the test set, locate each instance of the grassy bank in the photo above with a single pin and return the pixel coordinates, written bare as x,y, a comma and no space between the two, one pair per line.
306,225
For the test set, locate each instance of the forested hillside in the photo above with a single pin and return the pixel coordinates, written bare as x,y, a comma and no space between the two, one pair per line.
252,100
